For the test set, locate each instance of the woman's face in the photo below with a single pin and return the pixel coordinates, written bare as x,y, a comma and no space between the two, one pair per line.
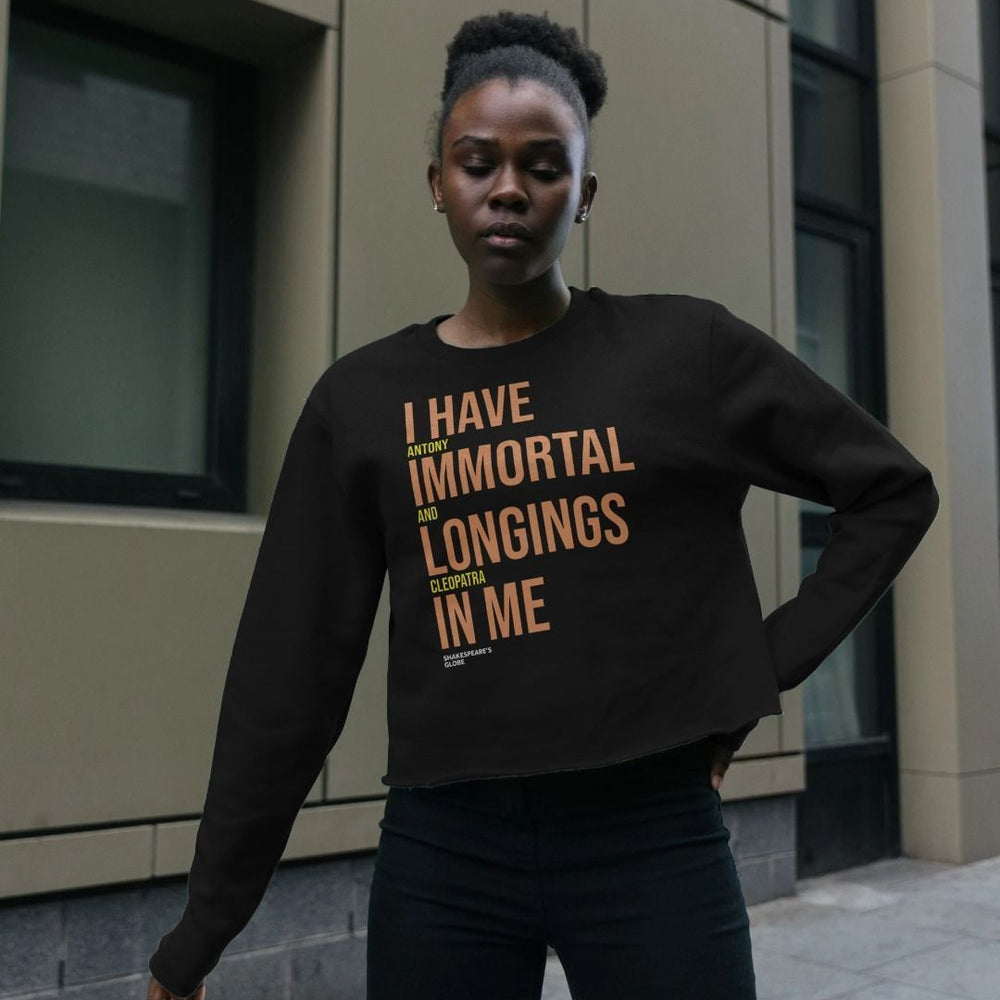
511,179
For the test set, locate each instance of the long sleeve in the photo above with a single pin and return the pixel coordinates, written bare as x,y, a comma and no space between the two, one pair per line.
298,650
786,429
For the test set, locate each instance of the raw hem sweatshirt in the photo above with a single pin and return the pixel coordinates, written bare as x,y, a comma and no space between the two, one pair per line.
569,582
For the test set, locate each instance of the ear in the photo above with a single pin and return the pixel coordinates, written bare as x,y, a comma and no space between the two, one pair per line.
588,190
434,181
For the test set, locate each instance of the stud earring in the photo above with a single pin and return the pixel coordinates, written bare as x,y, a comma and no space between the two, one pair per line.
581,216
437,207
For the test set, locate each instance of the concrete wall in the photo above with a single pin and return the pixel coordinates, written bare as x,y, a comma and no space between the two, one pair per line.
118,622
942,404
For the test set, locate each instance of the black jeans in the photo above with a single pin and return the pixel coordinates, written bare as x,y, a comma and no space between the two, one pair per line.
625,870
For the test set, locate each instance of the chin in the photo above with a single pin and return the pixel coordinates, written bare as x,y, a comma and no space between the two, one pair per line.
511,272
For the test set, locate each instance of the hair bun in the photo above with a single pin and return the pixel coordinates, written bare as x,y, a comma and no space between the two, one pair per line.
536,31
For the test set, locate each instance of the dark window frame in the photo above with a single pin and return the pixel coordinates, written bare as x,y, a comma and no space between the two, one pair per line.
860,228
223,486
991,134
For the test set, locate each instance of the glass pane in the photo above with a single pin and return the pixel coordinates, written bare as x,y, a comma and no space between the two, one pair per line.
105,246
840,697
989,34
824,293
833,23
826,132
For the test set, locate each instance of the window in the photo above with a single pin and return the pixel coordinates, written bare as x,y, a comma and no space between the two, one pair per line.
849,812
125,266
837,305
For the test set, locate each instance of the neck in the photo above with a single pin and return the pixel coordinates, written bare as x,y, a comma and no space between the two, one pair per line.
499,314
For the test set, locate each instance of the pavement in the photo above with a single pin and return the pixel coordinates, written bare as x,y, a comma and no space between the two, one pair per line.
897,929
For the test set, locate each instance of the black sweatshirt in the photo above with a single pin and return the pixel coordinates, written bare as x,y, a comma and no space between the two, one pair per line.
569,580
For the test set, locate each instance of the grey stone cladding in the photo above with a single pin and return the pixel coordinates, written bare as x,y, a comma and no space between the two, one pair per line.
305,942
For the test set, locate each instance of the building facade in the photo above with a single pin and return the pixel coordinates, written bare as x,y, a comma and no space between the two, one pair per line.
193,215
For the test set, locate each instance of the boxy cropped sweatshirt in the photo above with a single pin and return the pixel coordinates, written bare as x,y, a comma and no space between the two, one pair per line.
569,581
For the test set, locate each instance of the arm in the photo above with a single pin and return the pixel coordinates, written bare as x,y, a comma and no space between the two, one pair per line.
298,650
786,429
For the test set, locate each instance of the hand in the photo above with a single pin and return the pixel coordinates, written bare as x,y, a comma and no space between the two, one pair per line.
157,991
721,756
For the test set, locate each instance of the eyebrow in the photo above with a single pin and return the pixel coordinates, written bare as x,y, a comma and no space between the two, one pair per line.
479,140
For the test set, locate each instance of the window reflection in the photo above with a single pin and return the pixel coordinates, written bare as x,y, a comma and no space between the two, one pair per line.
833,23
105,256
826,133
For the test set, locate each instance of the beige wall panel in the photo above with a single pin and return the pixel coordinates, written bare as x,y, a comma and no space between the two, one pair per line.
778,7
118,628
294,253
759,776
115,644
398,264
971,421
318,831
681,152
980,792
75,860
925,680
922,32
765,739
336,829
950,817
941,396
930,816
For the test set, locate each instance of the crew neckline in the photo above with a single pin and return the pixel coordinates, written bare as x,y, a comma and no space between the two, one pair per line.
427,337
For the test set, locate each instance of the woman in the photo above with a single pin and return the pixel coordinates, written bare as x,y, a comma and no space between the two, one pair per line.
553,478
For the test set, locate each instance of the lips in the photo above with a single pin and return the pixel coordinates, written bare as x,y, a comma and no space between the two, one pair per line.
512,230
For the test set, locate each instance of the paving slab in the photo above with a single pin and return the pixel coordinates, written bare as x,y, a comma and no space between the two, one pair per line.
853,941
897,991
897,929
967,968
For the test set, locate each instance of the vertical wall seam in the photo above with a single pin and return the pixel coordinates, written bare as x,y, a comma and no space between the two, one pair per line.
338,125
773,258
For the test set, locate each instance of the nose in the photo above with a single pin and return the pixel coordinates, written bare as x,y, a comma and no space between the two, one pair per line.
507,190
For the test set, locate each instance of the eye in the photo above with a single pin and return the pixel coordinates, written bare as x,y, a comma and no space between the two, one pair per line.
477,169
546,173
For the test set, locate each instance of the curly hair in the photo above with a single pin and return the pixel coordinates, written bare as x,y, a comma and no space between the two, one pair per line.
519,46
